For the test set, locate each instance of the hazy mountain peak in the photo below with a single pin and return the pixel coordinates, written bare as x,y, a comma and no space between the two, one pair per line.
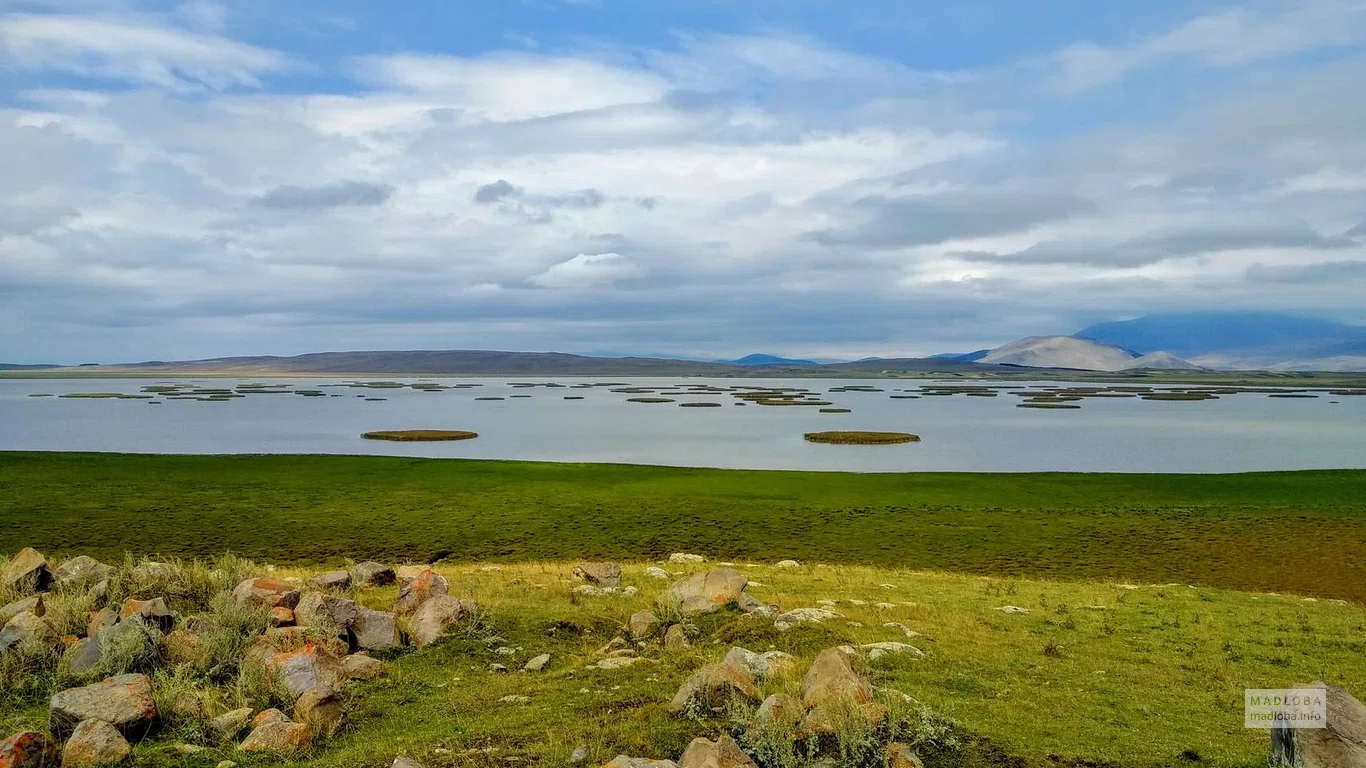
1061,352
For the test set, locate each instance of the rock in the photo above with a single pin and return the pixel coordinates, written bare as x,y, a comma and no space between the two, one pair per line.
622,761
781,713
1342,744
722,753
537,663
294,638
375,630
579,755
498,669
184,647
33,605
803,616
105,617
81,570
321,709
832,685
28,749
417,585
760,665
124,702
372,574
227,764
305,669
229,724
676,638
642,624
27,627
878,650
713,686
902,756
405,762
334,615
601,574
755,607
265,591
95,743
276,737
435,616
1012,609
150,570
683,557
617,662
153,612
332,580
27,572
655,572
281,616
787,564
359,666
514,699
83,657
706,592
269,716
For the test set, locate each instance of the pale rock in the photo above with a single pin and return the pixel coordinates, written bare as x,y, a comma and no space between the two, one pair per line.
124,702
95,743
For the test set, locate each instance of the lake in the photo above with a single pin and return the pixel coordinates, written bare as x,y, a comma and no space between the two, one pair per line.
987,432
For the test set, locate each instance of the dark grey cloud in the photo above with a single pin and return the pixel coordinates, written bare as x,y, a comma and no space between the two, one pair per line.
336,195
1357,231
898,222
1164,246
504,191
497,191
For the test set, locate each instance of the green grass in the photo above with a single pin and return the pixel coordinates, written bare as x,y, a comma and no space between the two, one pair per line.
1266,531
1096,674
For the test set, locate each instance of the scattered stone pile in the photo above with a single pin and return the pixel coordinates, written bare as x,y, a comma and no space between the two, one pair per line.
317,642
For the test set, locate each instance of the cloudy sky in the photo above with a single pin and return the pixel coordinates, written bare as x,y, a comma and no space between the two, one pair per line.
693,177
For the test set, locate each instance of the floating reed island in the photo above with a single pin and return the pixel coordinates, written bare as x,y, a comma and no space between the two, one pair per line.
420,435
861,438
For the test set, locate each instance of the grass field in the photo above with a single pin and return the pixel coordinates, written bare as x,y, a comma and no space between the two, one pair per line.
1296,532
1094,674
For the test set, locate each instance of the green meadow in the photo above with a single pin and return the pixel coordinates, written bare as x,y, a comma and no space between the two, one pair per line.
1293,532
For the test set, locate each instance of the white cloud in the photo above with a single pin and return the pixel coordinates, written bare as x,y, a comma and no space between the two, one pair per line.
227,218
589,270
135,50
1225,39
513,86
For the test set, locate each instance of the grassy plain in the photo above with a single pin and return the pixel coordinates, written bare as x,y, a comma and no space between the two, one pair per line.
1093,674
1292,532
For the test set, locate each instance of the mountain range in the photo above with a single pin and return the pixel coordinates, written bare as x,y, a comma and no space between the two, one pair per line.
1156,342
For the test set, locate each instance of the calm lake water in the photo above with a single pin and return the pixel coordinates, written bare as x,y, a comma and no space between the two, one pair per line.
1240,432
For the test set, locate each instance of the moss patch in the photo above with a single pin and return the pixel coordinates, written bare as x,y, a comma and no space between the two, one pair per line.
420,435
861,438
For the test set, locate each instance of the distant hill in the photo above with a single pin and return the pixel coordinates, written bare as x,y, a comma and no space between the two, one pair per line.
435,362
22,367
761,359
1242,340
1061,352
967,357
492,363
1161,361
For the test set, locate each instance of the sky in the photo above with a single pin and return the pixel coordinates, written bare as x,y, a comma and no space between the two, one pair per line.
702,178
